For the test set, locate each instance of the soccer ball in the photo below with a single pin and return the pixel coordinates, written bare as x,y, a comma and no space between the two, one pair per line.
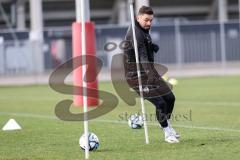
93,142
135,121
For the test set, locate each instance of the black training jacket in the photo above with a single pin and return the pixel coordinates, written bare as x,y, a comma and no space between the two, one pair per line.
149,75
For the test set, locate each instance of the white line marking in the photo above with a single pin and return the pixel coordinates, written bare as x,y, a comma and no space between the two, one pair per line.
119,122
210,103
28,115
217,103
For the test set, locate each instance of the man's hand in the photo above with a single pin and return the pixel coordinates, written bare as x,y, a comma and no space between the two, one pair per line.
155,48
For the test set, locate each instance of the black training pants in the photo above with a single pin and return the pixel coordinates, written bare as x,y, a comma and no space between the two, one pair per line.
164,107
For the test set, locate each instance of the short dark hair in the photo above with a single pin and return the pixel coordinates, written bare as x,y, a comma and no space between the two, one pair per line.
145,10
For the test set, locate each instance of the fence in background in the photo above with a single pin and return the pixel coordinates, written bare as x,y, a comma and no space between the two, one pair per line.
180,43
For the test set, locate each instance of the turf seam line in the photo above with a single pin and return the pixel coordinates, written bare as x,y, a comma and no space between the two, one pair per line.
119,122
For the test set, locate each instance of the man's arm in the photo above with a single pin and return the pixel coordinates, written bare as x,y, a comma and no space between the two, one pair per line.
143,58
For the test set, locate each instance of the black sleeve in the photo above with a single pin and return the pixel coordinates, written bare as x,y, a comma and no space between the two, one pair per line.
142,50
143,57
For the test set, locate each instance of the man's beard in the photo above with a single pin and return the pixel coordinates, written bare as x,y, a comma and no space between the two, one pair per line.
147,27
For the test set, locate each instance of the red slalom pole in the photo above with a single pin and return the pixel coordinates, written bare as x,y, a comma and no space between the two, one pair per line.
77,51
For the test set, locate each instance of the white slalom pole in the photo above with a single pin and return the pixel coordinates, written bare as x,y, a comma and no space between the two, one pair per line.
138,70
85,106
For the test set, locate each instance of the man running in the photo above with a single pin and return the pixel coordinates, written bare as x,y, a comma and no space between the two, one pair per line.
155,89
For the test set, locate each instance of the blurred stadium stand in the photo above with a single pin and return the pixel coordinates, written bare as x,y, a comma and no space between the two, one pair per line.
189,33
62,12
